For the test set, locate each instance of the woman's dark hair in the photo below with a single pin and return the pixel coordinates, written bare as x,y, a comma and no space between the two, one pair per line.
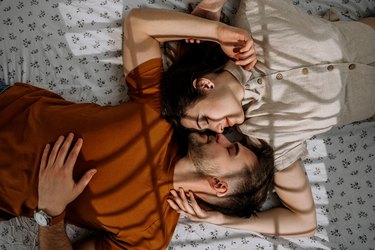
189,62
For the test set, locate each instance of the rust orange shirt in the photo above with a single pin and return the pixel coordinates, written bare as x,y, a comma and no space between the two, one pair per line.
129,144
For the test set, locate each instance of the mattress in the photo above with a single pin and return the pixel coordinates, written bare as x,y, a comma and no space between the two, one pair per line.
73,48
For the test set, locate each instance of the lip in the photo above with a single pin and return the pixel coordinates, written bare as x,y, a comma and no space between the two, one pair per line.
221,138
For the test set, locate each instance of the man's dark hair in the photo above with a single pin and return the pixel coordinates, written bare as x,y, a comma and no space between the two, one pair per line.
189,62
253,186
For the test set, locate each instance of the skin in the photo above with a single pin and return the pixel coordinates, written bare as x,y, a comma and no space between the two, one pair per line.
296,219
298,216
142,37
57,187
217,159
56,177
220,108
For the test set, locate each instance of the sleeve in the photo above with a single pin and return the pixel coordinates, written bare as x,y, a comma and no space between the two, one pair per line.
289,153
108,242
144,83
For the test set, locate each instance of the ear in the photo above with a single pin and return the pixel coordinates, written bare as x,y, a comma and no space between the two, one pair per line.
220,186
203,83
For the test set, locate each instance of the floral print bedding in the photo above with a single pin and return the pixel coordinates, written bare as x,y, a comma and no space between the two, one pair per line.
73,48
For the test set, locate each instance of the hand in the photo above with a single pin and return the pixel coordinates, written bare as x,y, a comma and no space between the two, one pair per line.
56,187
237,44
186,203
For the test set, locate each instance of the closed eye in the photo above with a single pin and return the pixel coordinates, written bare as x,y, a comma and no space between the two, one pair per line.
202,122
233,149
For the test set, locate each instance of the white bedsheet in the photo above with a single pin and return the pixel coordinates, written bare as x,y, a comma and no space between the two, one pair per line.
74,49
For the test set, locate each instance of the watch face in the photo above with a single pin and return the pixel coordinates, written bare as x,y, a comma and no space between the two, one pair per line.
41,218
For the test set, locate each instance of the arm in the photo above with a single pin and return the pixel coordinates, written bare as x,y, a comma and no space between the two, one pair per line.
145,28
57,189
296,219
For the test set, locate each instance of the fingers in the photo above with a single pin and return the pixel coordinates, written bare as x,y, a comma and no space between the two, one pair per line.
245,54
60,150
248,45
73,155
86,178
55,150
63,151
178,201
174,205
194,204
191,40
247,63
251,65
246,59
43,162
188,205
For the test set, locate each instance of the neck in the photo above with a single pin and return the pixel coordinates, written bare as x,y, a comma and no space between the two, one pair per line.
186,176
230,83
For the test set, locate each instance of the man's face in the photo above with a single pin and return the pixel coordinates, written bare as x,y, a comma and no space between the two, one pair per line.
217,156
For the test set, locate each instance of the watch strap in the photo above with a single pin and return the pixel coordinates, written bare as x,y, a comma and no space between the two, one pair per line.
57,219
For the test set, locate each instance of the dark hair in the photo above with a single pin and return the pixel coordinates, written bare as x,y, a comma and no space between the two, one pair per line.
253,185
189,62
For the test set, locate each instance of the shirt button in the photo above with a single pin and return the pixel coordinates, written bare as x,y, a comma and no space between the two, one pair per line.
305,71
330,67
352,66
259,81
279,76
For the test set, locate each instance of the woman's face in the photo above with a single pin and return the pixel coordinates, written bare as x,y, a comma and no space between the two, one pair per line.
218,109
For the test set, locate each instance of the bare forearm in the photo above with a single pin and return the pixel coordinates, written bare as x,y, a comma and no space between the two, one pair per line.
278,221
145,28
298,215
167,25
54,237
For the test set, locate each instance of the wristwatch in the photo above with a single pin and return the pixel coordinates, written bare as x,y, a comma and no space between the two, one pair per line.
43,219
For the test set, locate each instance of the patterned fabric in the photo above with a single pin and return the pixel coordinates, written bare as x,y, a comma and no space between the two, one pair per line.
74,49
3,87
311,74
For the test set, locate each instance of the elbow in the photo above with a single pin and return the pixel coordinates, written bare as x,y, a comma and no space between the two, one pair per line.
134,19
131,17
310,223
313,225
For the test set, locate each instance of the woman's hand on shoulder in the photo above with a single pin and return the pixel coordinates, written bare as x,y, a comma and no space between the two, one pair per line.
183,202
237,44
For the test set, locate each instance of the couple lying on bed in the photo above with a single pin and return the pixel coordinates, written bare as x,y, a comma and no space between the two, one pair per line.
302,84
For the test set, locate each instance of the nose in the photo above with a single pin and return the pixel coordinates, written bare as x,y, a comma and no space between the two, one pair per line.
219,126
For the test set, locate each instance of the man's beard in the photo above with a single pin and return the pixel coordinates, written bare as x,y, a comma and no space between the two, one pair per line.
200,157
